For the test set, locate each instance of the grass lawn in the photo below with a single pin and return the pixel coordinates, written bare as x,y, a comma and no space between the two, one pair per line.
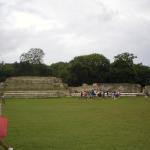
75,124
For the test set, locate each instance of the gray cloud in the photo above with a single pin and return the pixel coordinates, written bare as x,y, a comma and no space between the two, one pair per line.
67,28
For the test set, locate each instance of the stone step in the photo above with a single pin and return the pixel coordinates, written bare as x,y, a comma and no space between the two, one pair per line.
35,94
34,83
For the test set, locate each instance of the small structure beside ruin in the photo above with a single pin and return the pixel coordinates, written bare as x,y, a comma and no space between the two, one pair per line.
148,88
125,88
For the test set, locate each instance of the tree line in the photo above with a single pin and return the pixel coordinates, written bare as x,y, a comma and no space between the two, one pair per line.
93,68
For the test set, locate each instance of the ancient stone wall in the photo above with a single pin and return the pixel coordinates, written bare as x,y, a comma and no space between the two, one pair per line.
34,83
123,87
35,87
148,89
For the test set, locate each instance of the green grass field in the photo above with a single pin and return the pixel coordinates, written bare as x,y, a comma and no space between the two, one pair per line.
75,124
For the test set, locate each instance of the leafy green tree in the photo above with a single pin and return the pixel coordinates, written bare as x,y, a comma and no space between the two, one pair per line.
125,59
33,56
6,70
23,69
142,74
41,70
27,69
122,69
60,70
88,69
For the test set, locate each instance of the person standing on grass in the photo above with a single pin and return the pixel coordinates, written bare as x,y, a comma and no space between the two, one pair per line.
3,127
114,95
3,130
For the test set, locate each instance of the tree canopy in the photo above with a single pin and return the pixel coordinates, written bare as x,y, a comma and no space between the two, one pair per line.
122,69
88,69
93,68
33,56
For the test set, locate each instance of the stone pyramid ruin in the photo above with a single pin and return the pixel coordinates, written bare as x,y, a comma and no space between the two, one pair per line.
35,87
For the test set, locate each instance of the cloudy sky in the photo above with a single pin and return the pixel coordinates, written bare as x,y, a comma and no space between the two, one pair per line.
68,28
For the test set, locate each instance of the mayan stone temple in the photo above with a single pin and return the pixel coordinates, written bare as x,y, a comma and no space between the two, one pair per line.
35,87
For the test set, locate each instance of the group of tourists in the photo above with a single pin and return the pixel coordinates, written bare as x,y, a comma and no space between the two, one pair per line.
96,93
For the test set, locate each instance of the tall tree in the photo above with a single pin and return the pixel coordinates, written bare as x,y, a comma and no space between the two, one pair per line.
124,59
60,70
122,69
88,69
142,74
6,70
33,56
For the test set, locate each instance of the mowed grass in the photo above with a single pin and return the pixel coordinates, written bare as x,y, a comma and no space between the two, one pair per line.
75,124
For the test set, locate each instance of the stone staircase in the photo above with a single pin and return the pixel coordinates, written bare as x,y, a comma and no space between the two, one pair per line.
35,94
35,87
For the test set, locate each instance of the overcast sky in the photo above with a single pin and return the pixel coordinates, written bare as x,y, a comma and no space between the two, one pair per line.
68,28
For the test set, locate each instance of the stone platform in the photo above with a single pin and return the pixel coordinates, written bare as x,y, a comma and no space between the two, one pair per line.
122,87
35,87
